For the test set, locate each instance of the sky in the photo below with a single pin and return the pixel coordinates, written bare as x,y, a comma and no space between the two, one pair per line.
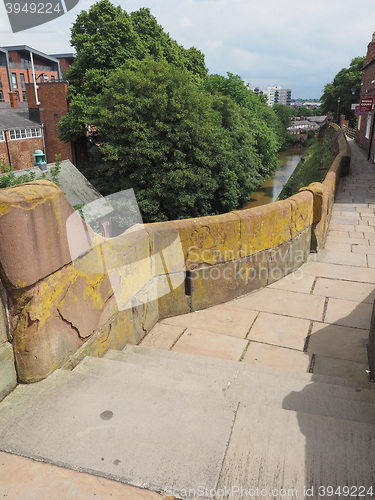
292,43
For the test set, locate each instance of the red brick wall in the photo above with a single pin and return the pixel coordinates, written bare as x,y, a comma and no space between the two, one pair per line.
53,105
28,74
20,151
64,64
367,90
4,82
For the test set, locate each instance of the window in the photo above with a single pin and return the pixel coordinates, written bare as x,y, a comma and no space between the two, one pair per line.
23,83
18,95
14,80
52,78
24,97
25,133
1,91
2,136
41,78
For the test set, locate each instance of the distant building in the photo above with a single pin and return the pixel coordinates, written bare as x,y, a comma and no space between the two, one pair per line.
304,124
65,61
19,65
256,90
19,137
275,94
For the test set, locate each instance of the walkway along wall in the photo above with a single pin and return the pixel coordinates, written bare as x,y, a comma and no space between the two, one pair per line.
60,311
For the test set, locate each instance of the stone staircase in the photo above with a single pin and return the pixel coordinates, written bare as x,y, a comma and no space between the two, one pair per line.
195,426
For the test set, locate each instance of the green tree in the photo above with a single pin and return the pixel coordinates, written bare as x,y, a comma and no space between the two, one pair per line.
185,152
346,87
105,38
265,125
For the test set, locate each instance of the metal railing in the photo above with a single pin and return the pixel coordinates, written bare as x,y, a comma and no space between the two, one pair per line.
28,66
350,132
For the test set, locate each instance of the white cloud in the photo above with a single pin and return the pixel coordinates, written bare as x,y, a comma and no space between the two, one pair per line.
302,43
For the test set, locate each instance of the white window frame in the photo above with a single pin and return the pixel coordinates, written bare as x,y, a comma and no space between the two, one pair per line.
24,133
2,136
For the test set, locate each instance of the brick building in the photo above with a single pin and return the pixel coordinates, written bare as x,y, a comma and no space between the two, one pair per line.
19,137
19,65
365,127
30,78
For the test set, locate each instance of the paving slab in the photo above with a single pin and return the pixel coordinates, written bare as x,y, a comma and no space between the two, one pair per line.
320,451
335,367
277,357
26,479
357,235
340,342
371,260
284,302
346,240
339,234
364,249
224,318
335,220
347,290
295,282
279,330
341,272
344,258
215,345
163,335
343,227
364,229
348,313
337,247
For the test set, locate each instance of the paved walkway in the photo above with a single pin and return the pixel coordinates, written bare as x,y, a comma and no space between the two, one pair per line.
316,321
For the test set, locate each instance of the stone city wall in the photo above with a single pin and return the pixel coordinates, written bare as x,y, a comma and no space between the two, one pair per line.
113,292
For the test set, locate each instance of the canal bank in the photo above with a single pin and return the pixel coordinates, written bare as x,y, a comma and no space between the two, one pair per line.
271,188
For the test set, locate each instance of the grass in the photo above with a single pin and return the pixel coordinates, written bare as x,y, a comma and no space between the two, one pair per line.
313,167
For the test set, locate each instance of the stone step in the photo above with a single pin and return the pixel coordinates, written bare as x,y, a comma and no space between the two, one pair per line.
147,435
155,433
369,388
236,384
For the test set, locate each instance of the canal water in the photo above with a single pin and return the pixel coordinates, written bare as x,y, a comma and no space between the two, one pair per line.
271,188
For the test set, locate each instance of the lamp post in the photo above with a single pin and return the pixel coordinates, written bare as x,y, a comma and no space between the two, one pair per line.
338,110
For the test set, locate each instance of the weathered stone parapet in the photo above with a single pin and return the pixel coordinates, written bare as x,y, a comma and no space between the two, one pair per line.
67,302
32,232
8,377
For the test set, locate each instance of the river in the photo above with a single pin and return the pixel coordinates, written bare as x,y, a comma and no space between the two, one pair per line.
271,188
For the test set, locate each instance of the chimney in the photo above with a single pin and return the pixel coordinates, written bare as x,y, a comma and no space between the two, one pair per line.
13,100
371,50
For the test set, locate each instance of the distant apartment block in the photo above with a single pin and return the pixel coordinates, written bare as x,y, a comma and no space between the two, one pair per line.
256,90
21,64
275,94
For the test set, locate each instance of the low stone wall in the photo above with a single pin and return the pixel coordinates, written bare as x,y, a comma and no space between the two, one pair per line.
324,193
8,378
114,290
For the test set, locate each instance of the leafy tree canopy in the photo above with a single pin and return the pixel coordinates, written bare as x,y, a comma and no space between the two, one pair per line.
346,86
265,125
187,143
105,38
185,152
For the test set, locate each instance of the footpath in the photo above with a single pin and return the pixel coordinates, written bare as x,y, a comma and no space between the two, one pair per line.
264,396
